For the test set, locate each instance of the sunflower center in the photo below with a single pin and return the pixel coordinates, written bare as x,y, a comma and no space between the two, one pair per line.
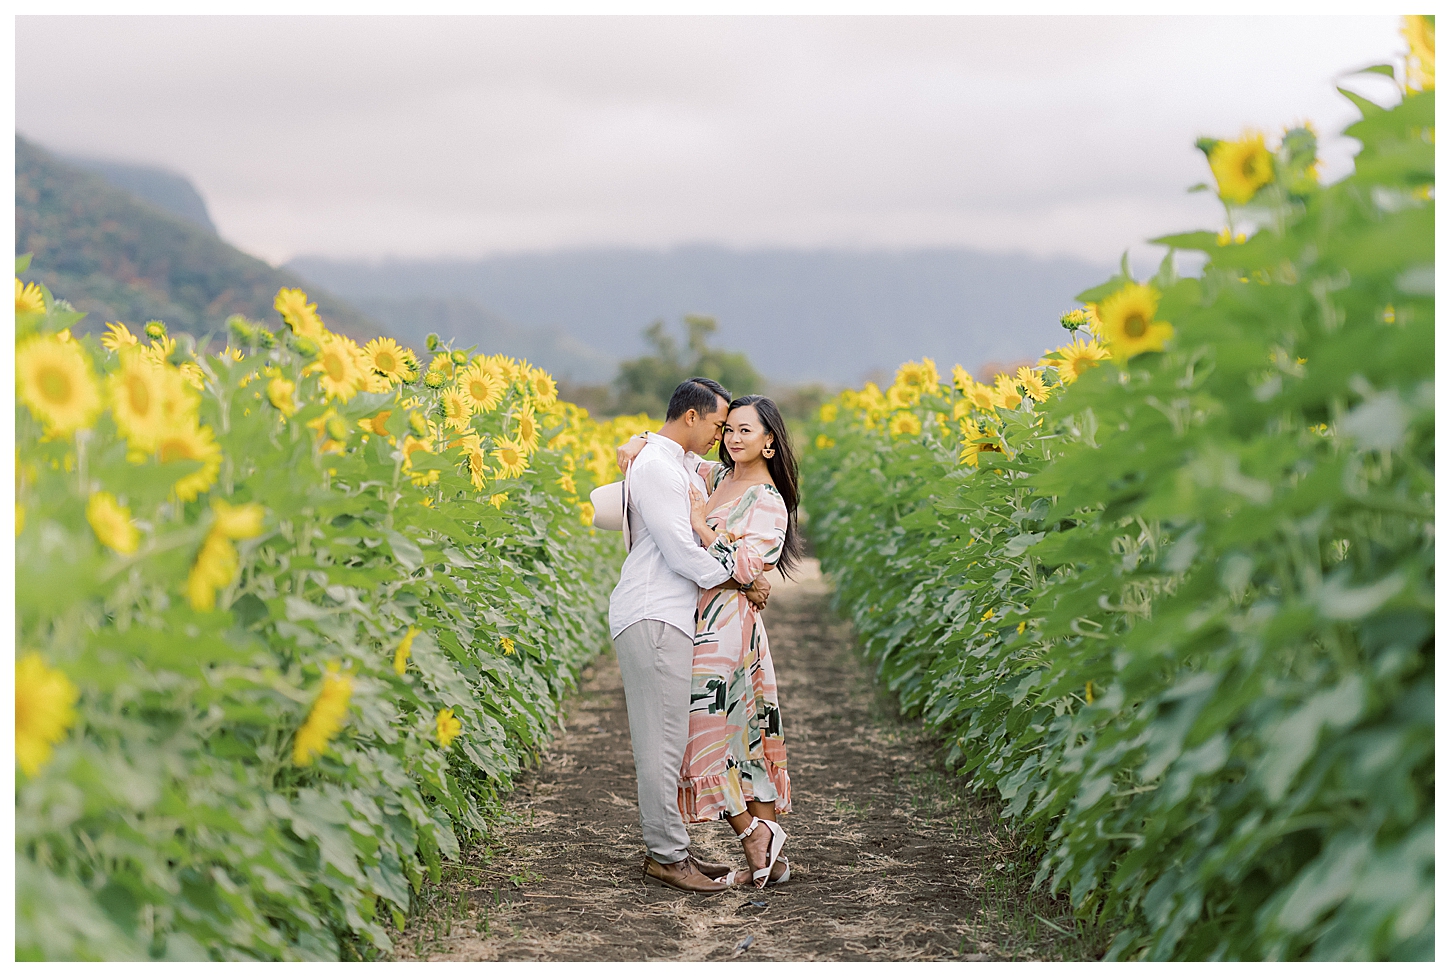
173,450
335,367
1135,326
55,385
386,362
478,390
139,395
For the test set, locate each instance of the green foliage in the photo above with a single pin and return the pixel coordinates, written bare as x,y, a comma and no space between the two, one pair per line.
1183,622
644,385
173,822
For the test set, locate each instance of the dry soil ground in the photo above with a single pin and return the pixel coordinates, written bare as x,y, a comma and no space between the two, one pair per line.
891,860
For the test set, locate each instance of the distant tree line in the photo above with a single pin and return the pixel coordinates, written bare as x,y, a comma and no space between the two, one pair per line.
643,385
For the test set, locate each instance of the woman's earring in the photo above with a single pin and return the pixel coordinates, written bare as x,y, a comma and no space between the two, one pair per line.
768,452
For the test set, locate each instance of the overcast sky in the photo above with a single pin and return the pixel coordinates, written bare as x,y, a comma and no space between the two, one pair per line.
443,136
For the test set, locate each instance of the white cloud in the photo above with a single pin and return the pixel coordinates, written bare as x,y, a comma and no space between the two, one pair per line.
466,136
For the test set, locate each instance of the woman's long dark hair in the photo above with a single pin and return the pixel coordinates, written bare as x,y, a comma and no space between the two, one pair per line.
783,471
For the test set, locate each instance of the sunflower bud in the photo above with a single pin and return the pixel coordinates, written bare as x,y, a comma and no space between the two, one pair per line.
156,329
266,337
242,330
304,345
1074,320
460,357
336,429
418,423
432,341
434,379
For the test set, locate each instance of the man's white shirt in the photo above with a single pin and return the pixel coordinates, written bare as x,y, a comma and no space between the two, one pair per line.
667,567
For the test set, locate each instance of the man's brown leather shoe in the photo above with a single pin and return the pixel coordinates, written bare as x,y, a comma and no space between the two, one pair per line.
714,870
681,875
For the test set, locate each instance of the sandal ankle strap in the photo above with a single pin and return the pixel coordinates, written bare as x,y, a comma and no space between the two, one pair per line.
754,823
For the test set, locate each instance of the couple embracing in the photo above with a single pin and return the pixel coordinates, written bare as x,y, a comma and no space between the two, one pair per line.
699,683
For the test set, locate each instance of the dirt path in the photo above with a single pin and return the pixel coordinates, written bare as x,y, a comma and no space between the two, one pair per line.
890,859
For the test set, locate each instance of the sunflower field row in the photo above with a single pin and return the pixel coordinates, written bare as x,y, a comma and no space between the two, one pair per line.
289,615
1169,593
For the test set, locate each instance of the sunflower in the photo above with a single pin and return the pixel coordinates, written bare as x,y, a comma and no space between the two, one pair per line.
1074,359
28,298
921,376
158,351
328,714
829,412
1241,168
405,648
442,363
504,367
1031,381
477,468
961,379
112,523
971,434
483,385
512,459
280,393
904,422
412,446
1128,324
237,521
1006,392
339,366
297,312
137,393
377,424
457,409
900,396
215,567
44,711
983,397
191,442
527,428
384,356
192,374
55,382
117,337
448,728
546,391
498,500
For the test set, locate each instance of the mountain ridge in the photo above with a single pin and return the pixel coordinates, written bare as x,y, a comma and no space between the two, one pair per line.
819,315
118,257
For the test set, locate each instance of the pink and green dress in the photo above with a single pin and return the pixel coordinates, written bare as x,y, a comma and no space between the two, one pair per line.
736,747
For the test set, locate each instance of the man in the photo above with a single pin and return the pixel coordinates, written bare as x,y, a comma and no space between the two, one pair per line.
652,622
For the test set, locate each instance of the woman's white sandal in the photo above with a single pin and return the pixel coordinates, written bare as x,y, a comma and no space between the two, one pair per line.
777,842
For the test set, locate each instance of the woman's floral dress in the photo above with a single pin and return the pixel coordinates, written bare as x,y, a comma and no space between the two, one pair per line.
736,749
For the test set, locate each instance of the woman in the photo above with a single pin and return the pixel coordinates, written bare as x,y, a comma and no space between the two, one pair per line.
735,764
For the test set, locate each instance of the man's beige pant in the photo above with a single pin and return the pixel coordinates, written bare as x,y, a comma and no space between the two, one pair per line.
656,661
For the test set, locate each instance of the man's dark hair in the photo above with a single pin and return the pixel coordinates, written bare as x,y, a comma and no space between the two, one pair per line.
700,393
